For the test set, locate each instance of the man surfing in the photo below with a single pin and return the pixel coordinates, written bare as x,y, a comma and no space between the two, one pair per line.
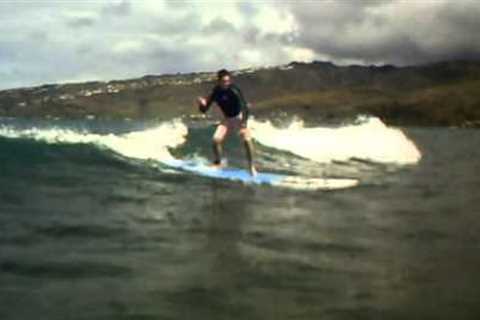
235,111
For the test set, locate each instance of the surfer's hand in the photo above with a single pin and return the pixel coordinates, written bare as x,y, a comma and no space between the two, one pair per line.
202,104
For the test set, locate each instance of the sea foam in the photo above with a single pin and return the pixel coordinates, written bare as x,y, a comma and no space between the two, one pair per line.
369,139
152,143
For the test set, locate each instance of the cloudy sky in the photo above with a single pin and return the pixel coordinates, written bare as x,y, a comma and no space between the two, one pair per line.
65,41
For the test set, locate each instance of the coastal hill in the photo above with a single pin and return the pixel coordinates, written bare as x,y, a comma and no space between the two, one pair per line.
440,94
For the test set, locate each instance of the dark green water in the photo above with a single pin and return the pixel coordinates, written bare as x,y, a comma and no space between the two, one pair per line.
85,234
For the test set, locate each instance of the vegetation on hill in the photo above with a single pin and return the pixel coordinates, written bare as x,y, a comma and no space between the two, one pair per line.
441,94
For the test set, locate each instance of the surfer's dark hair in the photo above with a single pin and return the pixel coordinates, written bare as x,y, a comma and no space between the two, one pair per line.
222,73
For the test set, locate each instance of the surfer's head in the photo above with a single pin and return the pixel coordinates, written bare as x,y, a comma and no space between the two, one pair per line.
224,78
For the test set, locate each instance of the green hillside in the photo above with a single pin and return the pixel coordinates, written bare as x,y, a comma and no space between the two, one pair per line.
441,94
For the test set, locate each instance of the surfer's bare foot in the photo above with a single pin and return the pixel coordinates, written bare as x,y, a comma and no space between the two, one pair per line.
217,164
253,171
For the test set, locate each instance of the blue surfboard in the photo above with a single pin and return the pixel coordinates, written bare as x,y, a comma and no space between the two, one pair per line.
273,179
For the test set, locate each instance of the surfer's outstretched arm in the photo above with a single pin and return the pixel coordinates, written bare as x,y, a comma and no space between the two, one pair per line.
243,104
205,102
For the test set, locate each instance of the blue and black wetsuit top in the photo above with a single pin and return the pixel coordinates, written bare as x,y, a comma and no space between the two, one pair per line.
230,101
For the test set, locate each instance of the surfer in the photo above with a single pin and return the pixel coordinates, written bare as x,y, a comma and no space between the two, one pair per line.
235,110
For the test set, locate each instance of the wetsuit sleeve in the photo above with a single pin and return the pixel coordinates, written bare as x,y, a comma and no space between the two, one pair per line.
210,99
243,104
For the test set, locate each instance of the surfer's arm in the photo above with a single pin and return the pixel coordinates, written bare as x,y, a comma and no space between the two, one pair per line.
243,105
204,103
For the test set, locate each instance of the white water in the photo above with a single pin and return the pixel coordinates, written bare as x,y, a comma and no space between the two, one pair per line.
369,140
151,143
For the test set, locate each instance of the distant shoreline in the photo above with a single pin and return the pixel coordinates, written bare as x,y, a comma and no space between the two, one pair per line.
440,94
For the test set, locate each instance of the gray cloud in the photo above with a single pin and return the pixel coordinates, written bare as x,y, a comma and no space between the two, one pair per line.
81,22
122,8
251,35
178,4
53,41
185,24
247,8
398,32
219,25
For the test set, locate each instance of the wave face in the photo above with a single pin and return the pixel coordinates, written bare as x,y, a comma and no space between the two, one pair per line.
151,143
368,140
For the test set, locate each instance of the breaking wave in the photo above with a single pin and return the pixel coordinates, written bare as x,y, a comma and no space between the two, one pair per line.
369,139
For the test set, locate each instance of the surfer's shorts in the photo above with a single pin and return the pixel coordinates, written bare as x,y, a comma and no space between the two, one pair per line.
231,124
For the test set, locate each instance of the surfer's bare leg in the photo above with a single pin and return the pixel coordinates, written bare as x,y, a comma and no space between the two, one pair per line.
218,139
249,152
247,142
217,152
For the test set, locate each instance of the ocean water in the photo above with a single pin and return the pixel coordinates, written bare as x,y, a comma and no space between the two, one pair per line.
94,226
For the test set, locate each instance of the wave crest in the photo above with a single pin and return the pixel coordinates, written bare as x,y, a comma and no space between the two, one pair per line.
369,139
151,143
